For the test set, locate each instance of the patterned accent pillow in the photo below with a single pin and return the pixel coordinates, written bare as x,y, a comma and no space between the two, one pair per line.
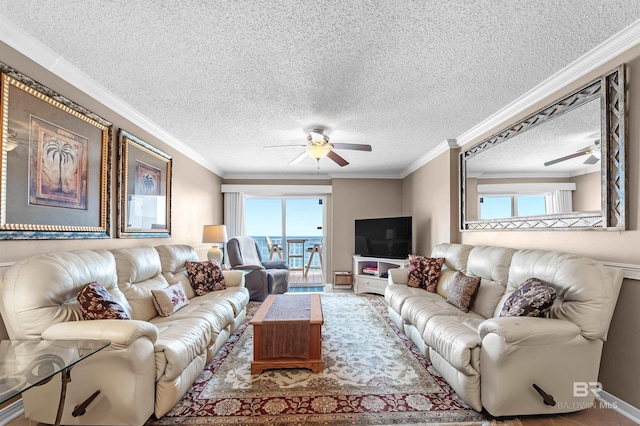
168,300
463,290
205,276
532,298
96,302
424,272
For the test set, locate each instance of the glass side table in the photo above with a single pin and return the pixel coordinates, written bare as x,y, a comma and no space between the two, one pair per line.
28,363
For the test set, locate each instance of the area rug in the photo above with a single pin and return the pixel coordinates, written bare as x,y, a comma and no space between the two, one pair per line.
373,375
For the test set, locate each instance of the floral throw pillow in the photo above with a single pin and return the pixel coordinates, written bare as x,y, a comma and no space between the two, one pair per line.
205,276
96,302
424,272
532,298
168,300
463,291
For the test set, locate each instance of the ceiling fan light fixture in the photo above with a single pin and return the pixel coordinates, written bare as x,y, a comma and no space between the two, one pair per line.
318,151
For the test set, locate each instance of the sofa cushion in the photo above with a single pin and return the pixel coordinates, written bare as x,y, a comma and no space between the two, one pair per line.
424,272
455,255
236,297
487,298
180,341
421,309
587,290
457,340
463,291
172,260
532,299
139,272
96,302
216,312
205,276
169,300
396,294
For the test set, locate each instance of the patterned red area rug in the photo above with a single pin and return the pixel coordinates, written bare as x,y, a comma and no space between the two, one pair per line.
373,375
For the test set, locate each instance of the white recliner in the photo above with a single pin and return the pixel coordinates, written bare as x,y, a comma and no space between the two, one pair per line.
492,362
152,360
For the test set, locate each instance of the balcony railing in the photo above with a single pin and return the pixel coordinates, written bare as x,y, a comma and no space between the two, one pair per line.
296,249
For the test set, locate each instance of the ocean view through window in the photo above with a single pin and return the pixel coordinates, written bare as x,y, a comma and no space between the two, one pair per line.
284,219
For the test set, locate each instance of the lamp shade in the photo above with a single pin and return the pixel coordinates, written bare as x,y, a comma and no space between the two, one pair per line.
214,234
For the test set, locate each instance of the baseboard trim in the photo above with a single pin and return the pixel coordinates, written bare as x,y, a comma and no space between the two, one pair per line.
11,412
622,407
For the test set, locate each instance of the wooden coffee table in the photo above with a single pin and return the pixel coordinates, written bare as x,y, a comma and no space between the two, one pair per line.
314,359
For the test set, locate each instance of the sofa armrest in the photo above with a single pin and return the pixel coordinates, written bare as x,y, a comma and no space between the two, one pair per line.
119,332
398,276
233,278
529,331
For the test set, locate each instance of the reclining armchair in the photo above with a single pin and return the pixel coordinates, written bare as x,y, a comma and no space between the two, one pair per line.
262,278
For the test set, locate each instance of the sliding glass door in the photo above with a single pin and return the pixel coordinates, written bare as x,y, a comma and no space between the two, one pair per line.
296,223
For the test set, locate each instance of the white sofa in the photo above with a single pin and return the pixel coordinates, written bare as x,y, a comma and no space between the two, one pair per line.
492,362
152,360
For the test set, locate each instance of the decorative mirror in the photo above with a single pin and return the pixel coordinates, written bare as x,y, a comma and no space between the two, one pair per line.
560,168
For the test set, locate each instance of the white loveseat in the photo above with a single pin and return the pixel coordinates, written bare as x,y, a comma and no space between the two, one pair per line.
492,362
152,359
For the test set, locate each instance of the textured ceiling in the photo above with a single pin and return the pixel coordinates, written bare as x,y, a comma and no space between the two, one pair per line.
229,77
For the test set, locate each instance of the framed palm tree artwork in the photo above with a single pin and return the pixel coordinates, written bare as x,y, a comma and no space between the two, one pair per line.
144,189
55,174
57,166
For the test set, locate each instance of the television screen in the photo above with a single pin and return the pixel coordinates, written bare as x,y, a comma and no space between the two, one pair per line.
384,237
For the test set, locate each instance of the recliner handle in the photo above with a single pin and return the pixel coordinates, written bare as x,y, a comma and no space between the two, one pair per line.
547,399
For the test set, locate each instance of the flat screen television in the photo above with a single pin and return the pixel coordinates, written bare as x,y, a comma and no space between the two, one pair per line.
388,237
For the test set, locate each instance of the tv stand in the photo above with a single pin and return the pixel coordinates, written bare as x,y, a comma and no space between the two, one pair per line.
370,273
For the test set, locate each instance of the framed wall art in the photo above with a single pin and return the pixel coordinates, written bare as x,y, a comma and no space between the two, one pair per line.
144,189
55,162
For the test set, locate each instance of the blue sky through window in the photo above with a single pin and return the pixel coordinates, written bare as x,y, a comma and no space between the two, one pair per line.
263,216
499,207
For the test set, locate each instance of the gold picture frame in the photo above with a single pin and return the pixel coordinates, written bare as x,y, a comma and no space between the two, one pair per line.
144,189
55,164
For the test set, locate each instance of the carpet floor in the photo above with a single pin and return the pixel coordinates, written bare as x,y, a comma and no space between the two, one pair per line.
373,375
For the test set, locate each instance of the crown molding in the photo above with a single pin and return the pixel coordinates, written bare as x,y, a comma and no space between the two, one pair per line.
608,50
33,49
441,148
323,176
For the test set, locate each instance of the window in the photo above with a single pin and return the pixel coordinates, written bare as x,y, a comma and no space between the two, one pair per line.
282,218
503,206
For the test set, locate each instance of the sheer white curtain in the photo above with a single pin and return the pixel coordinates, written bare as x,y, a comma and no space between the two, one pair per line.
234,213
559,201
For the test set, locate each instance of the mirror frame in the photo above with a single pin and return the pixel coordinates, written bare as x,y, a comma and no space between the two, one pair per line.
610,89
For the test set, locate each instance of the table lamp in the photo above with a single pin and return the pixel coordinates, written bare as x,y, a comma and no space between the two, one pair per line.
215,234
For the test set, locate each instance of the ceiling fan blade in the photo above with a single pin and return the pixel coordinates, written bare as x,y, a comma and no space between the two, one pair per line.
298,159
568,157
339,160
592,160
352,146
283,146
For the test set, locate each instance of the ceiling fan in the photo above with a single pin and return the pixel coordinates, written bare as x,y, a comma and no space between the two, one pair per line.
594,150
318,147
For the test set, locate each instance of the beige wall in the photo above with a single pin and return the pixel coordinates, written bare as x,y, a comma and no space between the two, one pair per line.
587,196
196,198
359,199
619,368
428,195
